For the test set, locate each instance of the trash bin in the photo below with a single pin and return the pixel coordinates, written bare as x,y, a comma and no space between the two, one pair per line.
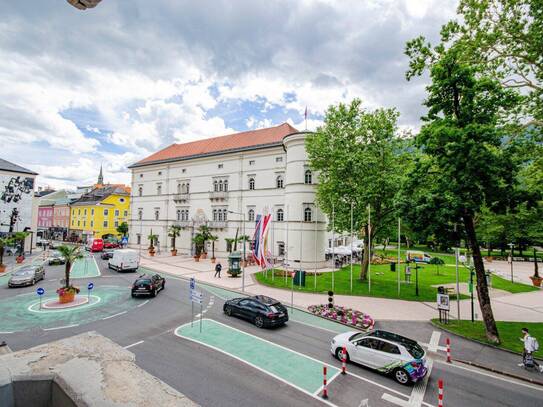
488,275
299,278
392,266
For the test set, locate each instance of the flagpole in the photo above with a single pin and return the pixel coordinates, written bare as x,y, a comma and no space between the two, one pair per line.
273,248
286,252
369,249
301,242
351,247
333,245
399,258
315,274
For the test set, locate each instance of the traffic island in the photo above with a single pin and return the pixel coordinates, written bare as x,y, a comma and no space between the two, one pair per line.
84,370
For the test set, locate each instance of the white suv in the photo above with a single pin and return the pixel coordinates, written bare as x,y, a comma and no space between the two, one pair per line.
385,352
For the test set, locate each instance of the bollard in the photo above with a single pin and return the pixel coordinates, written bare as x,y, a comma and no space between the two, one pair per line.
344,361
440,393
449,351
324,388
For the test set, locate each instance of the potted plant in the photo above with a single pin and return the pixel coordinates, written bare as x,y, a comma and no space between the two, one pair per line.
19,239
4,242
213,240
175,231
152,239
536,279
198,240
206,234
67,293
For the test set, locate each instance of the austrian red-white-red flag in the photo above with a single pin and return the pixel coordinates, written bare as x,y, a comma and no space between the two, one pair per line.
261,252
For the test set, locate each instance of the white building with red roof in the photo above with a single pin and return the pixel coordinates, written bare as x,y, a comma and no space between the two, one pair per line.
213,181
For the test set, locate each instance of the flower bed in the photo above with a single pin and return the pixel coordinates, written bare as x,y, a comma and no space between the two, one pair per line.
347,316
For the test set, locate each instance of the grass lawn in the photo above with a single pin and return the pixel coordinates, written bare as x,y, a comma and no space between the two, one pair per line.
509,332
384,282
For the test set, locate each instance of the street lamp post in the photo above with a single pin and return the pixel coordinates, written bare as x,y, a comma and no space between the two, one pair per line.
511,245
244,242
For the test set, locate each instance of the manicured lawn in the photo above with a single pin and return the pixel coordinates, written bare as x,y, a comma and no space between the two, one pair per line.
509,332
384,282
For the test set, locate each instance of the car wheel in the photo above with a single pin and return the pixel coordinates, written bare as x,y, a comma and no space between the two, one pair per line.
401,376
163,285
339,355
259,322
153,294
228,311
133,295
33,281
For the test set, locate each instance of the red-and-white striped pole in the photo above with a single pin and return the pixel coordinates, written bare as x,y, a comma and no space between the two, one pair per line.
344,361
449,351
440,393
324,387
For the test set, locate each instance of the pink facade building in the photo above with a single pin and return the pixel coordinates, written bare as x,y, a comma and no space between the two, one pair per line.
61,216
45,219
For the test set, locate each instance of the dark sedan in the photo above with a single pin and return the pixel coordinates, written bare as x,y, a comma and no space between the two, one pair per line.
261,310
107,254
148,284
27,275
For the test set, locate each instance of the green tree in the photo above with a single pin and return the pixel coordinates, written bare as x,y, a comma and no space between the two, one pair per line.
174,232
152,240
70,254
122,229
359,158
213,239
4,242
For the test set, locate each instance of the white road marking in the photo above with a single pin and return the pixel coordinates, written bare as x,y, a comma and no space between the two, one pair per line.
115,315
417,394
53,279
134,344
427,345
313,326
5,333
504,379
319,390
395,400
434,341
197,316
60,327
143,303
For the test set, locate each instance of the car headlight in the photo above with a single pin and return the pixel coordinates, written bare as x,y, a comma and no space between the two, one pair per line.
333,341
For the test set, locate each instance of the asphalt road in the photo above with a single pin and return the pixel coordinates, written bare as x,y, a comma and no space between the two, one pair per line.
213,378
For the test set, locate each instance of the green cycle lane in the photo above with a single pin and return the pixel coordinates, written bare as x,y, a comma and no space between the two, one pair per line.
22,312
293,368
85,267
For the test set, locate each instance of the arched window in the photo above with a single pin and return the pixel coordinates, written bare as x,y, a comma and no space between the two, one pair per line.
140,191
219,215
140,214
179,214
251,183
157,214
224,212
220,185
225,185
188,188
159,189
279,181
214,214
179,188
215,186
184,189
307,214
308,177
280,215
251,215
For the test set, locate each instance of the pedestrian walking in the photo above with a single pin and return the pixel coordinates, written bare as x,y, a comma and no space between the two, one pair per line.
530,346
218,269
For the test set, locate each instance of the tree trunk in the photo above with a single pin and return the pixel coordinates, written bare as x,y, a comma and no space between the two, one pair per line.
67,273
482,288
365,256
536,267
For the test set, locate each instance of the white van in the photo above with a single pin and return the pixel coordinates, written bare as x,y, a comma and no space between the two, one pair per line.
124,260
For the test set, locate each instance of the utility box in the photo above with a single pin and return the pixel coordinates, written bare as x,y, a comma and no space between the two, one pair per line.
299,278
234,264
392,266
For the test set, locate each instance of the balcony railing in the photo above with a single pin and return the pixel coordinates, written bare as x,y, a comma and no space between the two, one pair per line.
217,224
181,197
184,223
219,195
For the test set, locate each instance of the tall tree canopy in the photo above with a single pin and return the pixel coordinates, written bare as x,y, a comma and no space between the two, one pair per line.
360,160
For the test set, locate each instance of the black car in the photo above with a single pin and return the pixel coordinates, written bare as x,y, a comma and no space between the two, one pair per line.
261,310
107,254
148,284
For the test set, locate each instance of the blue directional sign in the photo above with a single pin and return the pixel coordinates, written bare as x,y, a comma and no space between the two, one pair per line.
90,286
40,291
192,283
124,240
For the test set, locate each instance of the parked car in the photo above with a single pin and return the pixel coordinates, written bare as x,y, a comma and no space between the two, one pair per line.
110,244
389,353
56,258
107,254
27,275
124,260
148,284
418,257
261,310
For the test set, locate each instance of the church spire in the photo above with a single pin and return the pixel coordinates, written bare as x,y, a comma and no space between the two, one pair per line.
100,177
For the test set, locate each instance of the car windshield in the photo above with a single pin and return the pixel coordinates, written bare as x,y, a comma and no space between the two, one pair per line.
415,350
145,281
274,309
24,272
356,336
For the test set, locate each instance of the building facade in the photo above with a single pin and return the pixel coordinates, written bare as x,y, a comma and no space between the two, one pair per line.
45,221
225,183
16,201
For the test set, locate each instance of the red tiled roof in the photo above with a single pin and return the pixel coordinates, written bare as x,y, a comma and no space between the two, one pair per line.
246,139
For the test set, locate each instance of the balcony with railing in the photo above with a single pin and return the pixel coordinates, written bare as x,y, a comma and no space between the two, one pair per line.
218,195
181,197
217,224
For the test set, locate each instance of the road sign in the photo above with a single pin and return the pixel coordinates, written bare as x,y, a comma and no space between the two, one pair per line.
90,286
124,240
40,291
196,296
192,283
443,302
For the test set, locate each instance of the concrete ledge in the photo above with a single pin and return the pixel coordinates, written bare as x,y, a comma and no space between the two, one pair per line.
84,370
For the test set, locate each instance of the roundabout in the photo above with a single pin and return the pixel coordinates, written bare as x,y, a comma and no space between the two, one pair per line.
53,304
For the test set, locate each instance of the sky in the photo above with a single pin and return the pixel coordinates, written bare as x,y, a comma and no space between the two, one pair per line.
111,85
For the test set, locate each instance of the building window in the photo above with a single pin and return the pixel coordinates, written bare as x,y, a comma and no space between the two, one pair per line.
160,173
91,223
73,222
219,215
106,212
179,214
251,162
307,214
281,248
308,177
188,188
121,200
140,191
105,223
220,166
214,214
225,185
159,189
215,185
138,239
85,212
116,223
251,183
78,223
278,159
79,211
224,212
125,214
251,215
140,214
280,215
220,186
84,223
141,175
279,181
92,211
157,214
116,212
186,214
184,170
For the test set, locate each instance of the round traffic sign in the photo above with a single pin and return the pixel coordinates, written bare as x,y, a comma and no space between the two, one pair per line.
40,291
192,283
90,286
